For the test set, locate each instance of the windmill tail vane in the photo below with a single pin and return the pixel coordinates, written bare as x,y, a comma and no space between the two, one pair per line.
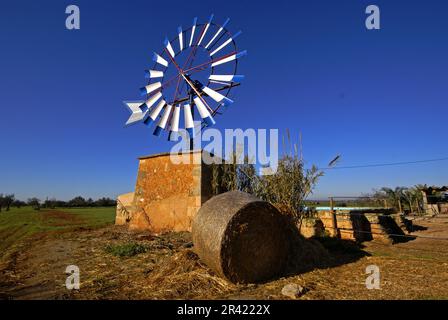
195,71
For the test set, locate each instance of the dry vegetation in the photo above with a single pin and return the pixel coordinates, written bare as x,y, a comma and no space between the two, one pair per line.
287,187
116,264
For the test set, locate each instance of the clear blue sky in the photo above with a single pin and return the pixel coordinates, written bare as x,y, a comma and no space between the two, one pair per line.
371,96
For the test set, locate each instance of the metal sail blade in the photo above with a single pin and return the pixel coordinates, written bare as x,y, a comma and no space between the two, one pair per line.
175,119
225,43
159,60
229,58
217,96
203,112
181,38
150,102
169,47
163,121
150,88
155,113
226,77
205,30
189,122
193,29
150,74
217,33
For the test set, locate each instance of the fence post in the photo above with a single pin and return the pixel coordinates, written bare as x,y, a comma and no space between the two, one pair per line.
333,215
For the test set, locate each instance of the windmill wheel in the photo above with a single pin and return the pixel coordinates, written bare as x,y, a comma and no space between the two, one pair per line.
195,71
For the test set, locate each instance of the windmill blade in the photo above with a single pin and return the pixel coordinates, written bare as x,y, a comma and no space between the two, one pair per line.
174,125
193,29
217,96
175,119
169,47
137,113
205,30
150,102
162,123
203,112
181,38
229,58
150,88
226,77
149,74
225,43
159,60
217,33
218,82
189,123
155,113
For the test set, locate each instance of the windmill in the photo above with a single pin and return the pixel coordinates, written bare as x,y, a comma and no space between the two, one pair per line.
195,70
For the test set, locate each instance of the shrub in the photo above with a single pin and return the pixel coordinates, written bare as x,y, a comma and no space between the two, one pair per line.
287,188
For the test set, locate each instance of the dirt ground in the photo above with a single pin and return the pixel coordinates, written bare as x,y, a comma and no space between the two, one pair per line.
416,269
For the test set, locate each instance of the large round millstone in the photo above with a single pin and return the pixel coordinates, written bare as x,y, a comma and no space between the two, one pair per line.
241,237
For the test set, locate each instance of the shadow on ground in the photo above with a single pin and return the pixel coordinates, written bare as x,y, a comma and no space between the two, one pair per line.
320,253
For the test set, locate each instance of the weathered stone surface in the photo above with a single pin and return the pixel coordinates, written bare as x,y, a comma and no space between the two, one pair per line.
124,209
170,189
312,227
140,221
363,225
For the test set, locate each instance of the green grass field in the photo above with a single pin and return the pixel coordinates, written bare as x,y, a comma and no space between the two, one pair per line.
18,224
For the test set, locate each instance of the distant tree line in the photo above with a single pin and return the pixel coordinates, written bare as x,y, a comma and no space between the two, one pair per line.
404,199
8,200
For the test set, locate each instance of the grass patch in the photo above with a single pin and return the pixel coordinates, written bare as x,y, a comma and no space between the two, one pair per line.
126,250
94,217
18,224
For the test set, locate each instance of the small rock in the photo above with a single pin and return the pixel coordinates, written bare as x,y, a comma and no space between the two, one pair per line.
293,290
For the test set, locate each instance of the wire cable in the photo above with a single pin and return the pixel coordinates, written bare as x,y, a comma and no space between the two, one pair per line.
385,164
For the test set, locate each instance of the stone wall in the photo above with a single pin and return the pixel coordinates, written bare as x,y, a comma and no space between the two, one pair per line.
124,208
169,191
359,225
312,227
437,208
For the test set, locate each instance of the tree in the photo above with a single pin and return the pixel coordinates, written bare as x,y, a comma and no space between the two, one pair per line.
18,203
2,199
90,202
105,202
77,202
50,203
34,202
8,200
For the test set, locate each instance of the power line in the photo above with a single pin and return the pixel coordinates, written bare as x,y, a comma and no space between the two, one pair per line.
385,164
